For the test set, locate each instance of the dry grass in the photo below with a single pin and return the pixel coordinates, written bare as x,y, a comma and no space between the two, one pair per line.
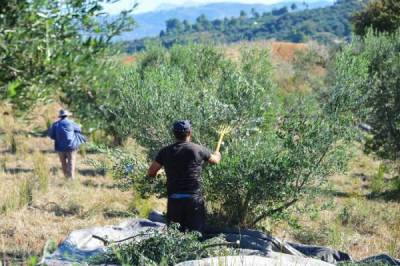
280,51
305,77
129,59
354,222
37,203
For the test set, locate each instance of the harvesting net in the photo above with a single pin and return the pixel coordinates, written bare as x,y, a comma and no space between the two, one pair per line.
255,247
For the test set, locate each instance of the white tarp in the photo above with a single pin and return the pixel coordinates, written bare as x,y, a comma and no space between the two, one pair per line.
256,247
276,259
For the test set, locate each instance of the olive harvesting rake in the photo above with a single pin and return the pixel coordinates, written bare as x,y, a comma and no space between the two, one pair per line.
223,130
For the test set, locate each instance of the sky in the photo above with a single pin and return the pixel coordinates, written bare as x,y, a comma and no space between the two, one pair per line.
149,5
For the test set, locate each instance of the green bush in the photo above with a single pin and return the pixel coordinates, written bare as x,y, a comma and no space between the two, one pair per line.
367,82
51,49
280,146
269,171
124,166
380,15
196,83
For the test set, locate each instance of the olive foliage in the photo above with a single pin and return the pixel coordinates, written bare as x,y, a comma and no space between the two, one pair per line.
280,148
166,247
367,81
380,15
194,82
51,49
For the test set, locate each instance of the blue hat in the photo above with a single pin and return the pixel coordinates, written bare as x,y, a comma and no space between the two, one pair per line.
63,113
182,126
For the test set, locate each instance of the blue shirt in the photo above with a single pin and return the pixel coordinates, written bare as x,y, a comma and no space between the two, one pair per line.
66,135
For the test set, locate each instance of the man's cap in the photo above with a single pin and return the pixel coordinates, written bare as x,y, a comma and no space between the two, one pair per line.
182,126
63,113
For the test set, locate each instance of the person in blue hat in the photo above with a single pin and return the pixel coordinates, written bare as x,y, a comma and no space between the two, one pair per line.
183,162
67,137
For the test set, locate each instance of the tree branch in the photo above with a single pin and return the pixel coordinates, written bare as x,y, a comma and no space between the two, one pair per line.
107,242
270,212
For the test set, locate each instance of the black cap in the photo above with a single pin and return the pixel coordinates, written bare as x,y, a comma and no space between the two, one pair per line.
182,126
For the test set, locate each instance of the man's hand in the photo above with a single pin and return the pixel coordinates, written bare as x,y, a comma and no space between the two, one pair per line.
153,169
215,158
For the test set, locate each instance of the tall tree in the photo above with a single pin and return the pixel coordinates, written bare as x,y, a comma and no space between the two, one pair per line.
366,77
380,15
174,25
49,47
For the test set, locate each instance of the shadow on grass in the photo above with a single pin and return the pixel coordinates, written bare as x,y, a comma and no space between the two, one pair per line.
109,213
92,172
70,210
36,133
388,195
6,151
17,170
15,257
93,184
335,193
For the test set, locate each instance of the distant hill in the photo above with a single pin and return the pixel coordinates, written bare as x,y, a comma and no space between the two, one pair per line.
327,24
150,24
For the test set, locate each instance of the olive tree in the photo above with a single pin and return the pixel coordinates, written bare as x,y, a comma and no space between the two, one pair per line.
380,15
55,48
276,166
367,81
196,83
280,147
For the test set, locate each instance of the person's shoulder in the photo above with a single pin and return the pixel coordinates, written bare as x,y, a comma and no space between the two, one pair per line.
56,123
162,152
166,148
69,122
196,146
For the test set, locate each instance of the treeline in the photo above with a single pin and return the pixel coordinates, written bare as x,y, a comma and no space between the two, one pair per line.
287,24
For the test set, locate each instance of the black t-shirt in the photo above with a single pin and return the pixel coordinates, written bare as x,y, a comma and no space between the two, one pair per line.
183,162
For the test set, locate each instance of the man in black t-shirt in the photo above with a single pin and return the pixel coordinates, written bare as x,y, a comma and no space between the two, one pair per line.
183,162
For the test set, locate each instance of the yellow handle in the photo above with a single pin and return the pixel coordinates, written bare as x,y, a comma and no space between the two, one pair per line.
221,136
222,132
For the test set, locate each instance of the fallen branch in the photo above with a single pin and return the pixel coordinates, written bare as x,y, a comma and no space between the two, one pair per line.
268,213
107,242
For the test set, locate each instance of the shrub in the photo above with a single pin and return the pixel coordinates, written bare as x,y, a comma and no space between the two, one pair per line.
195,83
367,81
124,166
280,146
380,15
268,172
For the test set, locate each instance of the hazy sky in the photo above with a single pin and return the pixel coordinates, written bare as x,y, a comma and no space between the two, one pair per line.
148,5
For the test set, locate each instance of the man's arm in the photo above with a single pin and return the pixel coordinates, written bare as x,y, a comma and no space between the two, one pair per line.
153,169
215,158
77,128
51,133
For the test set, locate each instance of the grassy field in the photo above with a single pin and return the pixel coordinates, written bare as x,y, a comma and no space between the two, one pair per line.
37,203
357,212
